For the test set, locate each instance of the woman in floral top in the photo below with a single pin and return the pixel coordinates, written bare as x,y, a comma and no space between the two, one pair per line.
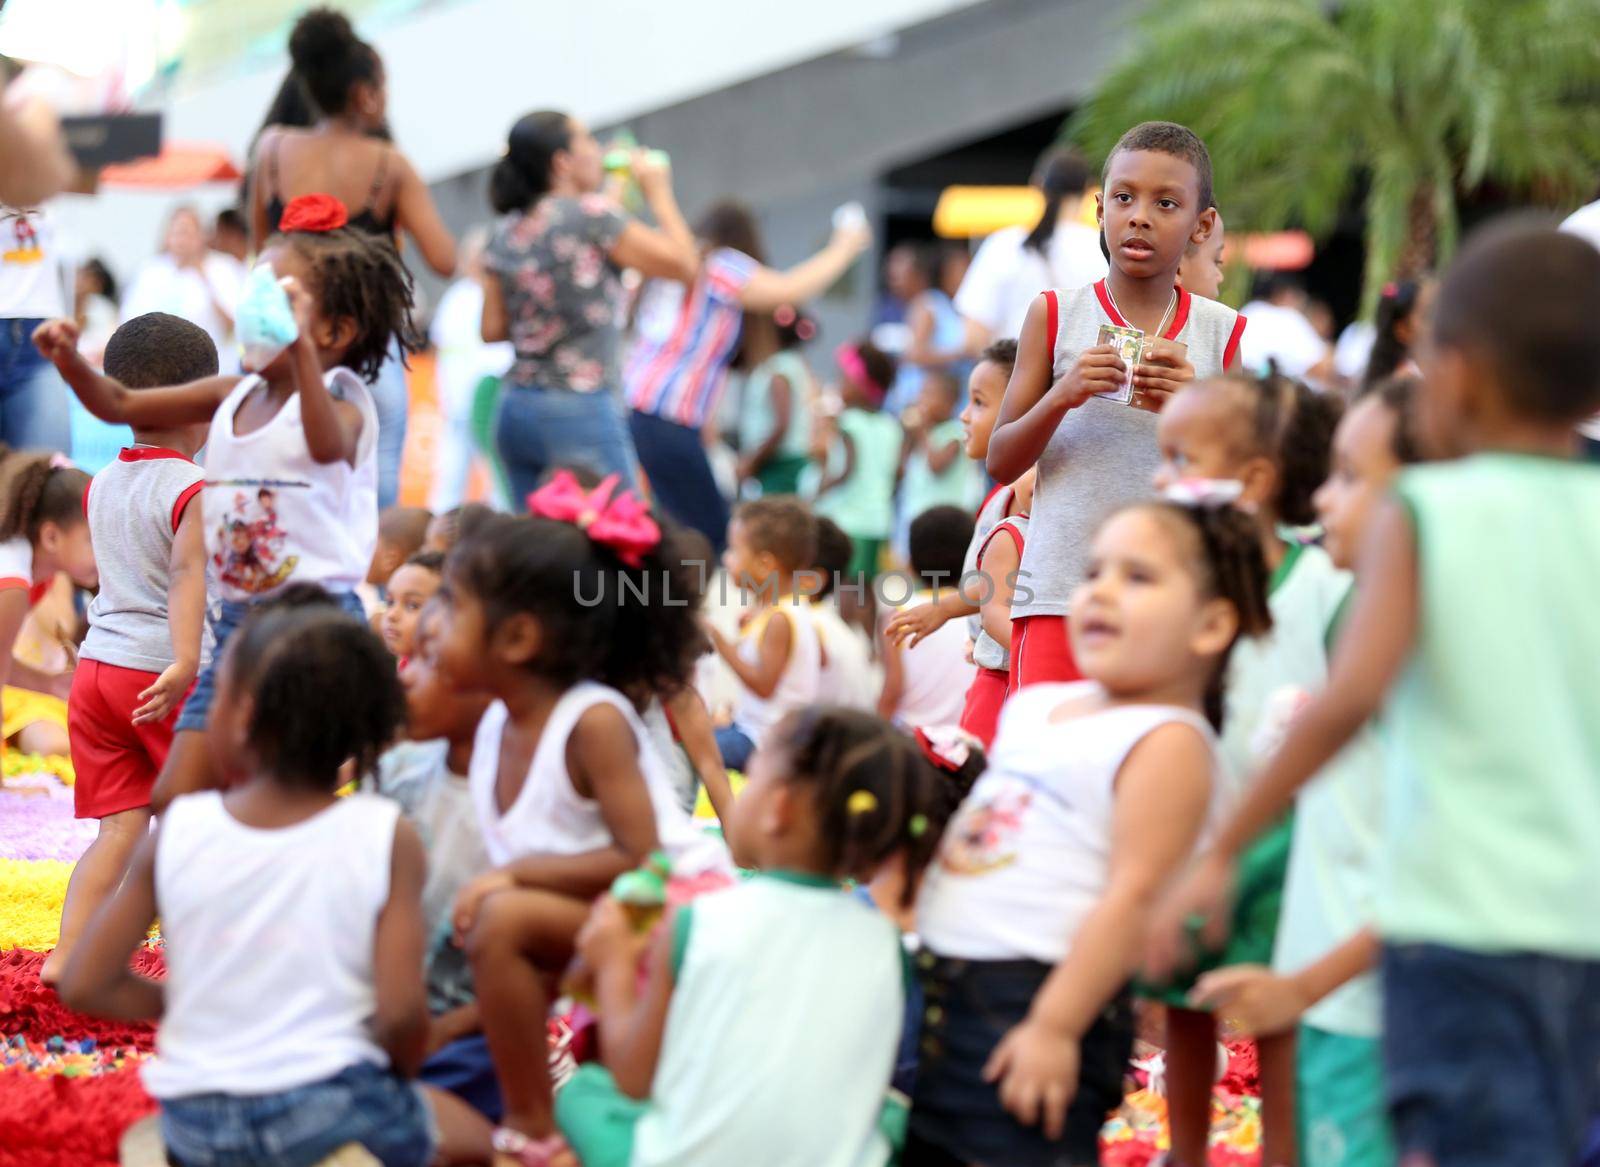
554,289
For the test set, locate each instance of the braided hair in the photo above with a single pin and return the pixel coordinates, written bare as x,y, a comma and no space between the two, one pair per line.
34,490
1292,424
359,276
874,793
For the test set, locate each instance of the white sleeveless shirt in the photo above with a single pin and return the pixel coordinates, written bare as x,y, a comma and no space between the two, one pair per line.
801,682
274,514
549,817
269,938
1026,857
1103,454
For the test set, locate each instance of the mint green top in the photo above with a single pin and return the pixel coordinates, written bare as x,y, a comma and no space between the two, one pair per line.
756,417
863,504
922,488
1492,736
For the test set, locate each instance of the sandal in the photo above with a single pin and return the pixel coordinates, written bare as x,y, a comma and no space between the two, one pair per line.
528,1152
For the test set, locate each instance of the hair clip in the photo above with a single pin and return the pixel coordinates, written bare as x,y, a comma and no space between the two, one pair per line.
1200,492
917,826
947,746
784,315
59,461
1391,290
861,802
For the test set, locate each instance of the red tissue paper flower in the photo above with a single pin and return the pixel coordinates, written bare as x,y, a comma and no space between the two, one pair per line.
53,1121
313,212
33,1011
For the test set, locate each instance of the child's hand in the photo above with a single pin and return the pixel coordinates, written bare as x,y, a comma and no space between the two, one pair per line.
301,303
1036,1066
607,936
1251,1000
1203,897
470,900
915,624
1164,371
161,698
56,340
1098,370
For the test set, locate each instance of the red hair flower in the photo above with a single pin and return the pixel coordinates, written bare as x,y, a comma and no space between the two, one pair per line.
313,212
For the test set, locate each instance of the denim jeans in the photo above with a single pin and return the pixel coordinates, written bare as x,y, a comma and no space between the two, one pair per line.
675,462
362,1104
540,429
1490,1059
34,410
391,397
736,747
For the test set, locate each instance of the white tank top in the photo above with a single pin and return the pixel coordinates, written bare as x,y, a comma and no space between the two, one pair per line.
549,817
801,682
276,515
1026,857
269,938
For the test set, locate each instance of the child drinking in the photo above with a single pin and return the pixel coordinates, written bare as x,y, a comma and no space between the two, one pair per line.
1266,441
282,1000
544,615
411,586
291,454
857,451
1491,831
143,648
778,659
1095,451
718,1060
1034,915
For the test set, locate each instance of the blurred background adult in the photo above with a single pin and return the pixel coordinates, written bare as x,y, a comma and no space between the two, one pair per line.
189,280
35,280
463,361
935,334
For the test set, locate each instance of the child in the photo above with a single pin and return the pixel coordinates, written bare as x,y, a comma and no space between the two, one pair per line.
932,469
1266,441
282,1000
926,684
857,451
719,1059
448,528
1325,951
1034,914
1490,849
1094,452
410,587
985,388
1402,309
291,455
778,659
145,626
401,534
544,615
1201,271
849,677
775,411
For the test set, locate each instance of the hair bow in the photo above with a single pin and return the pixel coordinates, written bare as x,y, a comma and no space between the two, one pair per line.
1200,492
948,747
616,520
313,212
59,461
1390,290
848,358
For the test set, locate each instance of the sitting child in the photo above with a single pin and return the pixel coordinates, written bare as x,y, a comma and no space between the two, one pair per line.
926,683
413,584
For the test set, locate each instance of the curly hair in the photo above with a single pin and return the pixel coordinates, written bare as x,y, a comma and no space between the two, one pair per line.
1224,546
599,618
330,59
783,525
159,349
34,490
358,276
1398,394
1002,352
298,659
1291,424
873,791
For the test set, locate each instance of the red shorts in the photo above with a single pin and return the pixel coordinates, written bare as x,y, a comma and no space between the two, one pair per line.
116,761
1041,651
981,715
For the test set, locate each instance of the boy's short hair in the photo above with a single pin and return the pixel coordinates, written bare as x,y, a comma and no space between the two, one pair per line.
427,560
833,555
1524,298
404,528
1002,352
160,349
783,526
1168,138
939,538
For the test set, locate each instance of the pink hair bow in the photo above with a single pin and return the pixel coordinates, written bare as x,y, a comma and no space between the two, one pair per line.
617,519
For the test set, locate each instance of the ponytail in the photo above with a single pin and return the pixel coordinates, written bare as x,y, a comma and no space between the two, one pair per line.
522,176
1398,302
1060,173
38,488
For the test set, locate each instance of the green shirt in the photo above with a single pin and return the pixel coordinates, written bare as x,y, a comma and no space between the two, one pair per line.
922,489
1492,822
863,504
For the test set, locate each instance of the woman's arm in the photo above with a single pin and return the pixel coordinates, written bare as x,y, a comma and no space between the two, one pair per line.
762,676
400,943
768,289
781,396
110,400
416,214
631,1021
1036,1063
1001,561
496,324
666,251
695,734
97,978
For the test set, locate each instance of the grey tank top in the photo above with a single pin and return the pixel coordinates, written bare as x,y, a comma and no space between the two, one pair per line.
987,652
1103,454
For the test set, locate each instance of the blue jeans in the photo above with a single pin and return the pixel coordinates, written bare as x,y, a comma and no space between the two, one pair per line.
1490,1059
541,429
736,747
34,409
224,623
465,1069
298,1128
392,399
674,460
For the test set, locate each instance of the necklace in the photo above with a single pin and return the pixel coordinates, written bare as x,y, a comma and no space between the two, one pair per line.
1166,317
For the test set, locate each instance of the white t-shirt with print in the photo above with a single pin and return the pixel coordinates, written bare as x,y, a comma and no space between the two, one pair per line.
936,672
33,276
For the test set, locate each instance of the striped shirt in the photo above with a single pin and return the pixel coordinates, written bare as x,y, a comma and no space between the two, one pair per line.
679,376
